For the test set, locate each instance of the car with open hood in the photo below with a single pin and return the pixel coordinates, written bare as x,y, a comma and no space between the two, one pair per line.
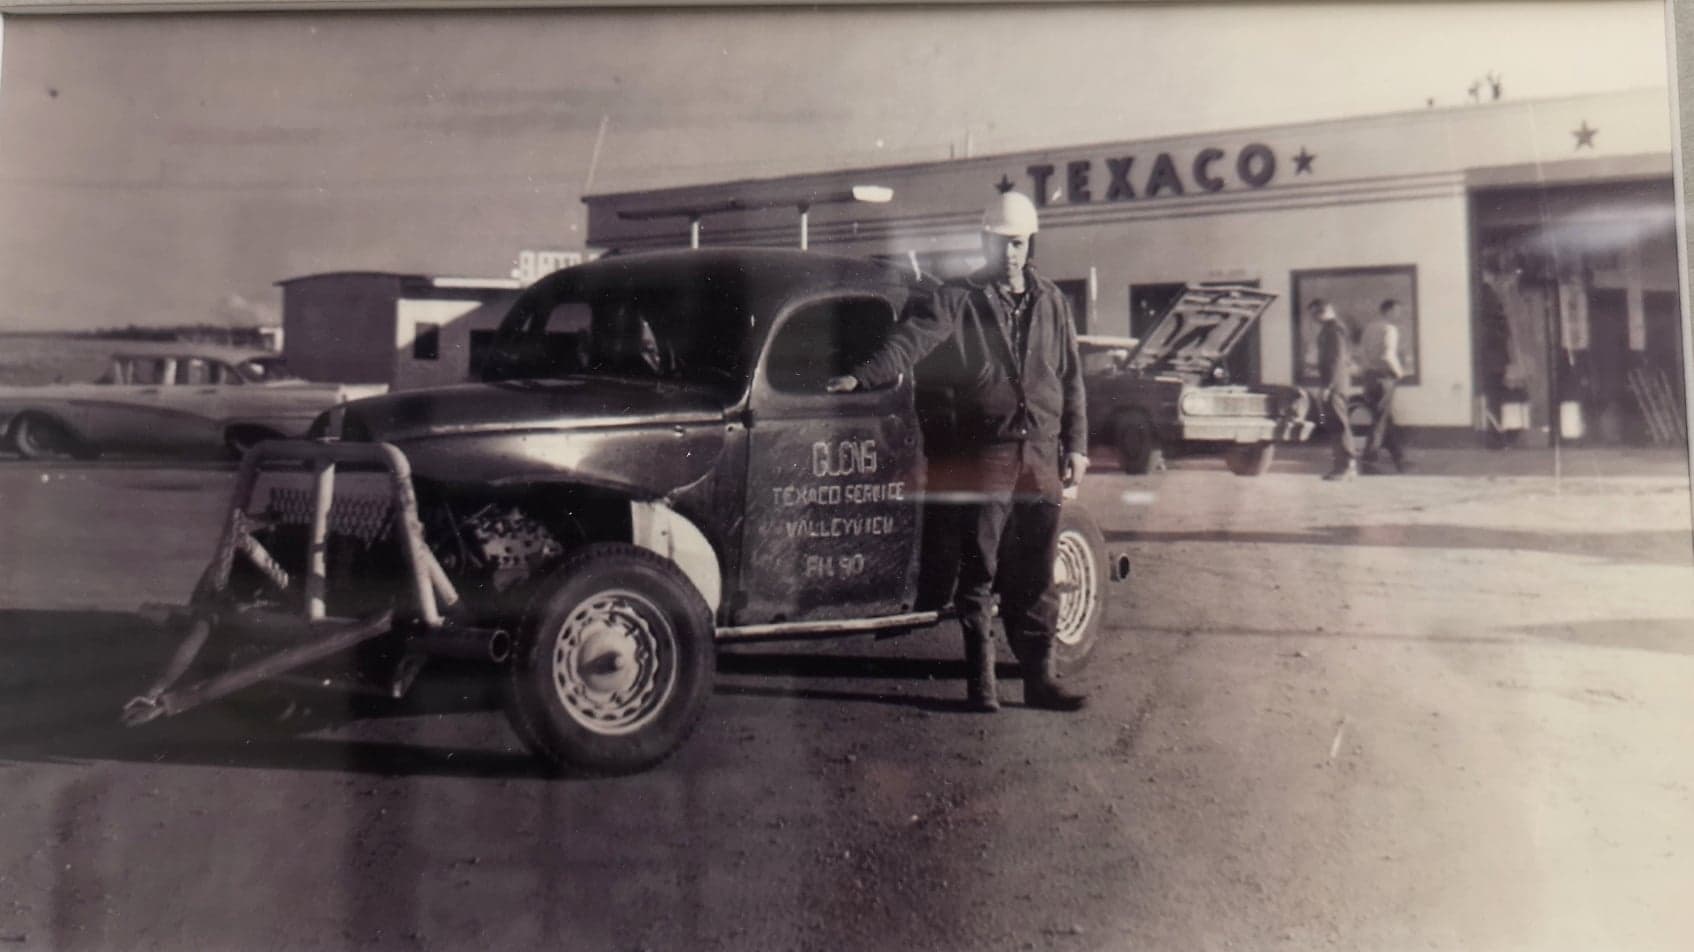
1169,394
650,466
169,398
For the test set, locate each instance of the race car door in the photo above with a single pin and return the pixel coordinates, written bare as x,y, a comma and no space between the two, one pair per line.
831,527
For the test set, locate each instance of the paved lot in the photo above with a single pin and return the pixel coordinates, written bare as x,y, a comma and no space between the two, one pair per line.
1443,711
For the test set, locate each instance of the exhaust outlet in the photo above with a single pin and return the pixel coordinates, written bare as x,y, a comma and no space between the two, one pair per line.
1120,567
493,645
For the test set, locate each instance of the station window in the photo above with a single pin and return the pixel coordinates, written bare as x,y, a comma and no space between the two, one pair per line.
825,340
1077,293
426,344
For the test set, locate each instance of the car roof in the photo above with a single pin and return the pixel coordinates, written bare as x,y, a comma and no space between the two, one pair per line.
177,348
767,273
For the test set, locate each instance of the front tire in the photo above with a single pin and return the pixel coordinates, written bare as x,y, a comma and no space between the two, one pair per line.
1138,447
615,663
1250,459
1080,569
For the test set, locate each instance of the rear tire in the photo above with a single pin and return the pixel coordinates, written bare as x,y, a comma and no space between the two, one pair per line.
39,437
1250,459
615,663
1080,571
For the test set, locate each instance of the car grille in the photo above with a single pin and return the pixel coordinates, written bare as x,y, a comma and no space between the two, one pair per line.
1202,403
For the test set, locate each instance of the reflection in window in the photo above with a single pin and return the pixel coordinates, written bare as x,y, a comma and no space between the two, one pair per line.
825,340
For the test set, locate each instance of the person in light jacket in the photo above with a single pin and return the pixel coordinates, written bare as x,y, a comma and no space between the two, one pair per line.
1004,343
1379,360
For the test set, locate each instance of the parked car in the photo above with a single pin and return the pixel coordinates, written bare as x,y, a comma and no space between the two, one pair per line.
649,467
169,398
1168,393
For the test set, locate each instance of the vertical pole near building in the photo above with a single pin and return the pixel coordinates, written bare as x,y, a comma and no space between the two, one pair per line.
805,215
694,232
1555,399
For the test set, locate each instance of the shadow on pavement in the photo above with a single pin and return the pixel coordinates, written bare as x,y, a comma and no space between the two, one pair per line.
65,676
1661,547
828,667
1664,635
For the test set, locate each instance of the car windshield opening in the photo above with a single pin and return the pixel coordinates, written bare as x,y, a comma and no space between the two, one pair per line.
677,333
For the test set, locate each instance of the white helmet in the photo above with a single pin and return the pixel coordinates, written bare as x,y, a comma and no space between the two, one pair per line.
1012,214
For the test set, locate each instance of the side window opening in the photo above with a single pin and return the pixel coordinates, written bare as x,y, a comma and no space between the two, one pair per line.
193,372
427,344
148,372
823,340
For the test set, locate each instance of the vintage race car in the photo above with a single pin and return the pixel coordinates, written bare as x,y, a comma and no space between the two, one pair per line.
649,467
1167,393
174,398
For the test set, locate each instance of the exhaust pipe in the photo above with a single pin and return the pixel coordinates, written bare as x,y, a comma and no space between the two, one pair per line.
492,645
1120,567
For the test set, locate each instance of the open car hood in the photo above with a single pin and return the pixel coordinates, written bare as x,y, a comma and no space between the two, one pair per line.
1199,330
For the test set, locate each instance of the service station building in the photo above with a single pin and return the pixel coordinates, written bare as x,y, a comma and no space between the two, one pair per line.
1532,245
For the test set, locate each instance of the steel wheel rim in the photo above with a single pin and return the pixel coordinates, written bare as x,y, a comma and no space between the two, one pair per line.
1076,576
614,662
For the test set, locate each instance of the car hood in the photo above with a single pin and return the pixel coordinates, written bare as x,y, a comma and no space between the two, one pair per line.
1198,331
572,403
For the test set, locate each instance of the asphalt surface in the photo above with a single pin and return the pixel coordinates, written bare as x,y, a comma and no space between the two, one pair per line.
1441,711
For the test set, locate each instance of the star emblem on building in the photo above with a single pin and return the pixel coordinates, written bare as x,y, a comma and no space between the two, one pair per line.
1585,135
1303,161
1004,185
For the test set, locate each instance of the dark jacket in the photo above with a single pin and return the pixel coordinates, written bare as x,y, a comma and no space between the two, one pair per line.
958,333
1335,355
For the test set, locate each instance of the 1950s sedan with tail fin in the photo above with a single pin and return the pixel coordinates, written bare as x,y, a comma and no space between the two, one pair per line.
650,466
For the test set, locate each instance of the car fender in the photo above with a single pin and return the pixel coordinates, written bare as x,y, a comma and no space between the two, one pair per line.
660,529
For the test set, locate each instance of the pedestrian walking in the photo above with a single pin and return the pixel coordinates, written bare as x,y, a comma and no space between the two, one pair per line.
1004,342
1335,365
1379,353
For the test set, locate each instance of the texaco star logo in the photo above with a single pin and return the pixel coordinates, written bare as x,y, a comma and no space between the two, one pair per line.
1585,136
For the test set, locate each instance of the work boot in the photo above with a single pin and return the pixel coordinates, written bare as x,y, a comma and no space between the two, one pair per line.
1341,473
981,692
1041,688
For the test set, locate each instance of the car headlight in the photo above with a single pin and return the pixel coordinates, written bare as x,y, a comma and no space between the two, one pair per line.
1198,403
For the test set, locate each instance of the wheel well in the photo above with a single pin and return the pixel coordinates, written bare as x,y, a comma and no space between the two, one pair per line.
573,516
45,417
252,430
38,416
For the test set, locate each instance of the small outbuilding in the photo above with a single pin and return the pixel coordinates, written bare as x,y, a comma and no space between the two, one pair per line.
404,330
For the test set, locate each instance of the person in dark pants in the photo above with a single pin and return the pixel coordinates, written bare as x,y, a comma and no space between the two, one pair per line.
1335,367
1379,358
1003,342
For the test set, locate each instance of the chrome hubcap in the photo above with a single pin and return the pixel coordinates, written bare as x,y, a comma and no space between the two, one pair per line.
1075,577
614,663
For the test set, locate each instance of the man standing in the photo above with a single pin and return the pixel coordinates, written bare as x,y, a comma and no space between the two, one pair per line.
1002,340
1379,348
1335,366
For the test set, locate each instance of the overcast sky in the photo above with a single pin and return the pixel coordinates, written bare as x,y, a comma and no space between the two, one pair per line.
166,169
